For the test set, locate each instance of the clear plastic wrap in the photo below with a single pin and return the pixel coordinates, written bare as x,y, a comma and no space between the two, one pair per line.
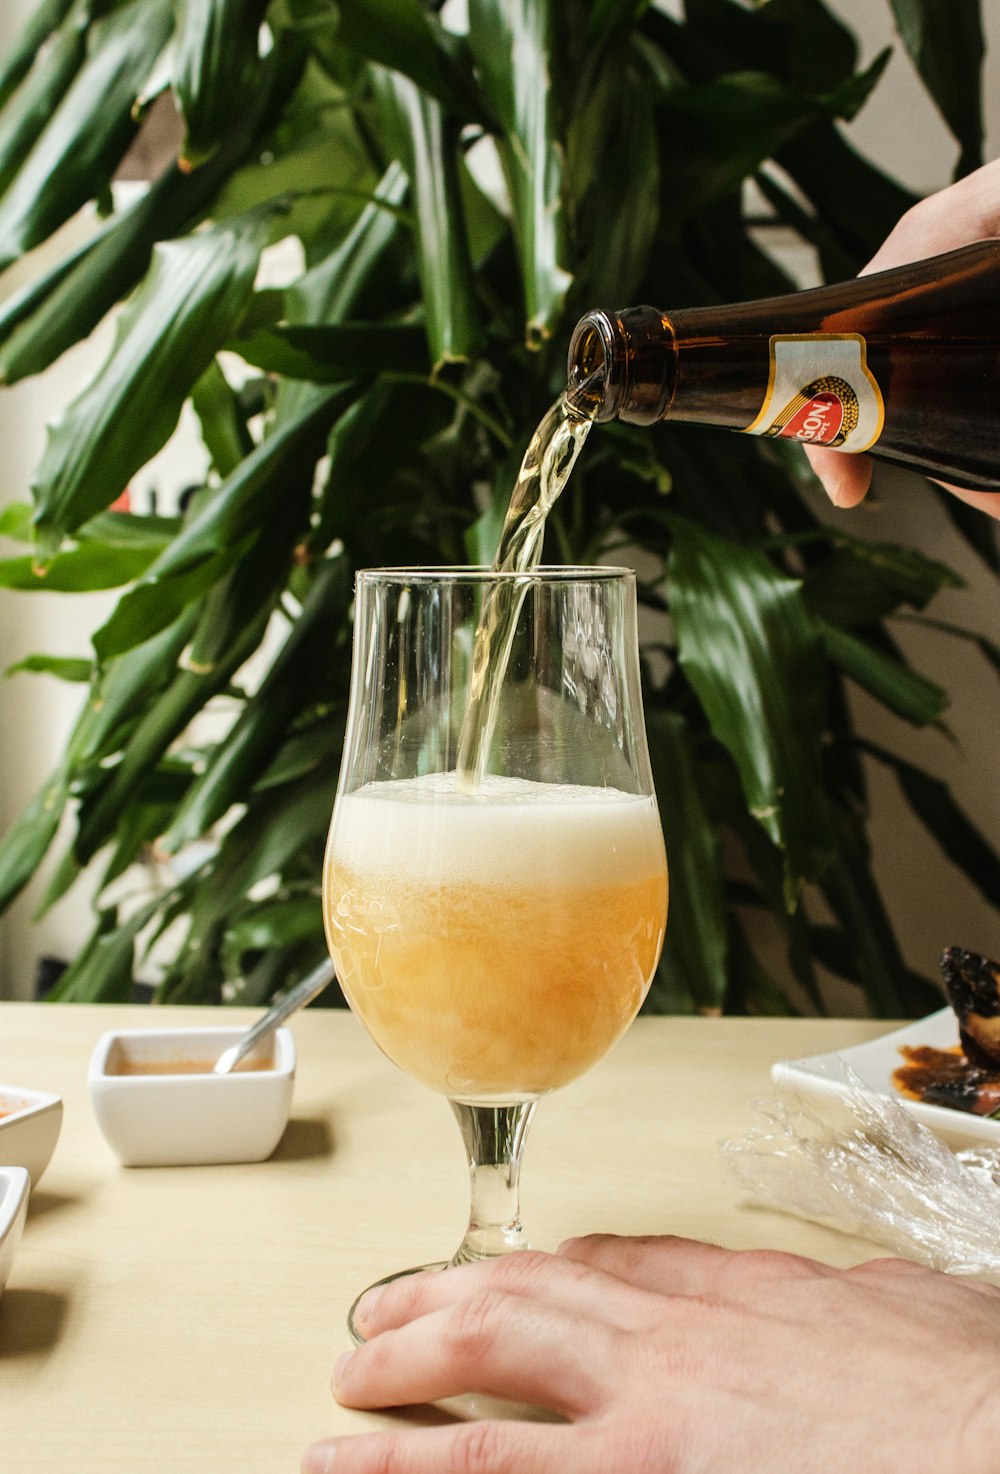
860,1163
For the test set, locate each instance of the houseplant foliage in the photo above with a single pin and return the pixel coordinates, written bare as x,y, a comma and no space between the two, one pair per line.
389,393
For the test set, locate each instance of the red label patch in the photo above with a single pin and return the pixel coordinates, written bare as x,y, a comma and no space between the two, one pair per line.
817,422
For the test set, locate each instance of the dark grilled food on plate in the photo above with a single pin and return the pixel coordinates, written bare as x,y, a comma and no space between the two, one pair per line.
966,1077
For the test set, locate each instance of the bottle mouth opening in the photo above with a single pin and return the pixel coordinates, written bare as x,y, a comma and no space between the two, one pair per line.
591,389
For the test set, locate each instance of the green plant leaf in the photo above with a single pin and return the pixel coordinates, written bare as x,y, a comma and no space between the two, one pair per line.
369,443
804,48
331,289
29,111
833,949
327,178
837,263
123,690
892,989
44,18
103,971
857,201
402,35
89,131
215,536
65,668
305,751
977,531
694,957
65,875
328,355
46,317
722,131
26,842
935,806
431,159
230,626
251,743
15,521
154,603
195,291
132,531
860,583
215,62
989,651
945,41
223,427
276,924
908,693
754,657
800,41
50,314
622,211
82,569
279,825
750,987
146,817
512,43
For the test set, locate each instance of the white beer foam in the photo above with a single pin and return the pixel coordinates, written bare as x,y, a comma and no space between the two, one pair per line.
510,832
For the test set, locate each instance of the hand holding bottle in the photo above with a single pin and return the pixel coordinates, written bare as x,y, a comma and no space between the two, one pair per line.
902,362
965,212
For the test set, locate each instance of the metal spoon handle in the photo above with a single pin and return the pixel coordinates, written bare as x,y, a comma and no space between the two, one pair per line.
310,987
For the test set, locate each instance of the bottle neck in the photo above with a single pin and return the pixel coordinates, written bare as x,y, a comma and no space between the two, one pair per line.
714,365
622,365
640,365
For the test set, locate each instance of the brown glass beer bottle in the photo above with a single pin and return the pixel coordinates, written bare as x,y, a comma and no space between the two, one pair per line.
903,363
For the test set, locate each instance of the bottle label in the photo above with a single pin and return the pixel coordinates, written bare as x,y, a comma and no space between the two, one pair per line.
821,391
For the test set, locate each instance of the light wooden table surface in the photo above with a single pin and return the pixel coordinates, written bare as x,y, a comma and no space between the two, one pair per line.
185,1320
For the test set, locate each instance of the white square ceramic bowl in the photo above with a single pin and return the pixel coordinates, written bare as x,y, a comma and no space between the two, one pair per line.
30,1121
14,1187
184,1119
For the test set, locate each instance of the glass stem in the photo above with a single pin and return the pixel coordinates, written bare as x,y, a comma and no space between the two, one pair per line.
494,1141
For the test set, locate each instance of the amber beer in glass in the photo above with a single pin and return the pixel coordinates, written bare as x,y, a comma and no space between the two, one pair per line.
495,941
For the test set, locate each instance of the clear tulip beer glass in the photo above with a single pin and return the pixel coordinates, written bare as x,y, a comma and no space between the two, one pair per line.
495,935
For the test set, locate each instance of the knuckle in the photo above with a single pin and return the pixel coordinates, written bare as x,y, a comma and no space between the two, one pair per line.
473,1327
645,1443
406,1297
478,1449
522,1273
887,1268
369,1362
387,1460
384,1455
777,1263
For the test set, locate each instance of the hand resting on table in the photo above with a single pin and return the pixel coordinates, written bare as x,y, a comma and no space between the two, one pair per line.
673,1357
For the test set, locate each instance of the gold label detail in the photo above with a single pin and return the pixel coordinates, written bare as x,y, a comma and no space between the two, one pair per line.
820,391
824,413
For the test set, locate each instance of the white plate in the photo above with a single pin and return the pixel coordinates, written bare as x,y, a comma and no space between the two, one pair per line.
14,1183
30,1121
875,1062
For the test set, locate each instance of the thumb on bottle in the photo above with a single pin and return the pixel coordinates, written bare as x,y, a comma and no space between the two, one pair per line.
845,478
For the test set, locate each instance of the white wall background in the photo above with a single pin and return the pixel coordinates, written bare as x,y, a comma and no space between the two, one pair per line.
931,904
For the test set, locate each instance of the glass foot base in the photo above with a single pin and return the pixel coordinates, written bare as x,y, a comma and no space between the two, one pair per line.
389,1279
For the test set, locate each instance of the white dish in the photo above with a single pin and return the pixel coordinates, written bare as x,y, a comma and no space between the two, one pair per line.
30,1121
14,1188
184,1119
874,1064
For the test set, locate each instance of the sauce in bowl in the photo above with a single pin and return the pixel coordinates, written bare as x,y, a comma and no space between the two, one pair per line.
122,1065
